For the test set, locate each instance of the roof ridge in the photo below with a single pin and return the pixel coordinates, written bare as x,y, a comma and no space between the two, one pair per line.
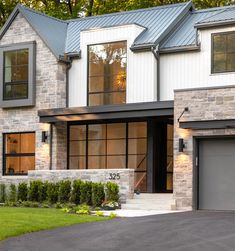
20,6
129,11
222,9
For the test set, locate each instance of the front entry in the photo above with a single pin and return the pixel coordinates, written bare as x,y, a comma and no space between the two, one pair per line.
160,157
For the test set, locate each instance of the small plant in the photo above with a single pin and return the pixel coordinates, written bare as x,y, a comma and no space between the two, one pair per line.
110,205
66,210
52,192
113,215
98,195
22,191
83,209
25,204
112,192
86,193
58,205
3,195
76,192
99,213
45,205
12,193
64,191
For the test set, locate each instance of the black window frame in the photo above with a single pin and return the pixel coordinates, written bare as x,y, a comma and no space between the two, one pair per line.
212,52
5,155
126,154
88,75
31,87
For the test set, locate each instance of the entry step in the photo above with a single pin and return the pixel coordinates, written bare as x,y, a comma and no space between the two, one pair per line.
147,201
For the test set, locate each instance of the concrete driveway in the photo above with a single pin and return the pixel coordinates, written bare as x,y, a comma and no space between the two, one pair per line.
188,231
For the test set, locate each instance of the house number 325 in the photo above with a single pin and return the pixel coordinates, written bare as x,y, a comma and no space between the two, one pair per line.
114,176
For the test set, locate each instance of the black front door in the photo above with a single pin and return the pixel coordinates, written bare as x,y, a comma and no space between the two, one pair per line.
160,165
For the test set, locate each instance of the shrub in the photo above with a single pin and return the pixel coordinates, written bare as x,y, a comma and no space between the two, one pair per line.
99,213
22,192
12,197
86,193
42,191
34,190
3,195
76,192
64,191
52,192
98,194
112,192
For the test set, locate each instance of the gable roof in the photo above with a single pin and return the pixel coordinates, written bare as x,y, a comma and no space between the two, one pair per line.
186,33
158,21
172,26
51,30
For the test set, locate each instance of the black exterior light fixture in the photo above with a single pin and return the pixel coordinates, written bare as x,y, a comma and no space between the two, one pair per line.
45,136
181,145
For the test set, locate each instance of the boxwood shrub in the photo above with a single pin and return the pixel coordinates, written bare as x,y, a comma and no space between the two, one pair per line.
52,192
112,192
86,193
76,192
22,191
3,194
98,195
64,191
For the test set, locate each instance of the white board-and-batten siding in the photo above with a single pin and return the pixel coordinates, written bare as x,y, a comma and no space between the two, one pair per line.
192,69
141,67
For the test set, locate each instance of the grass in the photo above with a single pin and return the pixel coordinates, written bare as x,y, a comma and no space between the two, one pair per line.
17,221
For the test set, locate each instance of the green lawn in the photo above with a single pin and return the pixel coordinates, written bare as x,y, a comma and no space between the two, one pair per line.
17,221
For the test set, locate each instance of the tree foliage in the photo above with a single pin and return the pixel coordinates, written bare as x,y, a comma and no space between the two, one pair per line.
67,9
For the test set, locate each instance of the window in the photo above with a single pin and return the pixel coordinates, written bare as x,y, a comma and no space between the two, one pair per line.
19,153
15,85
223,52
18,77
110,146
107,73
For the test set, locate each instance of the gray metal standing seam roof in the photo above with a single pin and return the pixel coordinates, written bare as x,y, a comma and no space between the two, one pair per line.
171,26
185,34
157,20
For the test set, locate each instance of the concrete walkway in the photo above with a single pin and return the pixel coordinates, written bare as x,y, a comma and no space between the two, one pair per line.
139,213
188,231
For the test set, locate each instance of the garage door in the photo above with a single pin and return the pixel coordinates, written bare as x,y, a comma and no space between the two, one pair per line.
216,174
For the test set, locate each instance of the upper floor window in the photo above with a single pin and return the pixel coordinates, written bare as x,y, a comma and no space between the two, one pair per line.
17,82
15,85
107,73
223,52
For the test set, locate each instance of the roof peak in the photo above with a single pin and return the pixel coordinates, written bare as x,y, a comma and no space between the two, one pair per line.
20,6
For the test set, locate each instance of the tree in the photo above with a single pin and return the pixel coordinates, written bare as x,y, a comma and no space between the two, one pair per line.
67,9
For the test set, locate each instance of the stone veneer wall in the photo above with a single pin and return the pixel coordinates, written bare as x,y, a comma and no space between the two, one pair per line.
126,181
203,104
50,93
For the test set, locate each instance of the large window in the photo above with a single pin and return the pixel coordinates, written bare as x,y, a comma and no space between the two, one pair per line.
223,52
110,146
107,73
17,81
19,153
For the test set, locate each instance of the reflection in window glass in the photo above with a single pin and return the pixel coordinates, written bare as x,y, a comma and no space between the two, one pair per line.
19,153
16,74
223,53
107,73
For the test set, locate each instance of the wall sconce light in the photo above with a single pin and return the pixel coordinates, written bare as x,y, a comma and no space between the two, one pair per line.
181,145
45,136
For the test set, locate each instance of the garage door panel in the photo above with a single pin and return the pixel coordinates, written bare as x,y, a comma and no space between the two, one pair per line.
217,174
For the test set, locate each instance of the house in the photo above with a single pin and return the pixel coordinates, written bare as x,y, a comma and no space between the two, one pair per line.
143,98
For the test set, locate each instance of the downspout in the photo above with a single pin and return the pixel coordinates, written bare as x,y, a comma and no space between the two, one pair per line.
156,54
68,67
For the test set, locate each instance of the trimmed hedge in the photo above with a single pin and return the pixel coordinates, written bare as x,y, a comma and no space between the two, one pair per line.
76,192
